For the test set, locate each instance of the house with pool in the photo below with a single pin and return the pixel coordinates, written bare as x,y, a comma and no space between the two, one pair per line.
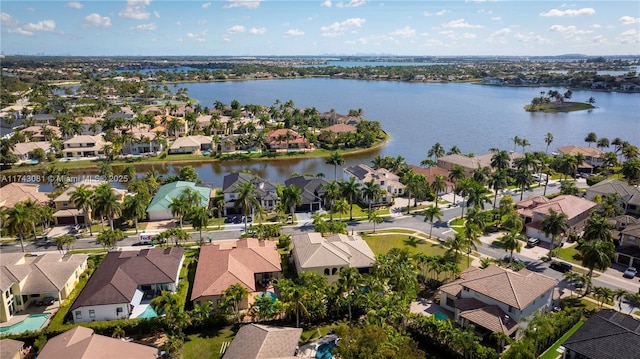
29,280
327,256
125,283
249,262
496,299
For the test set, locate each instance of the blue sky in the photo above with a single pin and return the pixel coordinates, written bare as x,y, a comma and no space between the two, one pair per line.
304,27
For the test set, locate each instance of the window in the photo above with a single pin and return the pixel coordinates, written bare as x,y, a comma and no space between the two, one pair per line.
198,302
326,271
511,309
78,314
118,310
35,295
92,313
334,271
6,294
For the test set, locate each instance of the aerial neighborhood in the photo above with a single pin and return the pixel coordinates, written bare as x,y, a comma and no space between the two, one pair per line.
115,240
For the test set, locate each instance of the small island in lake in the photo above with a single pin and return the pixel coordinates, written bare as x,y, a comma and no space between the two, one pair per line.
554,101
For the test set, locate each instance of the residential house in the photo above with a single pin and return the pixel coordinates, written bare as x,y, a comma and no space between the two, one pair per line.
249,262
496,299
25,280
534,210
471,163
332,132
84,146
83,343
11,349
593,157
16,192
191,144
608,334
282,140
266,191
124,114
159,208
257,341
67,213
430,174
387,180
630,195
24,150
44,119
145,141
311,191
125,282
329,255
90,125
163,121
35,133
628,252
335,118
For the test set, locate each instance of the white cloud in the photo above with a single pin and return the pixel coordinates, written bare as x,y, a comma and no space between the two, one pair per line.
499,36
8,20
460,23
629,20
496,18
258,31
629,37
294,32
568,30
599,39
439,13
156,14
326,3
145,27
96,20
20,31
531,37
351,3
339,28
570,12
249,4
468,35
595,26
406,31
74,5
178,23
44,25
136,9
198,37
206,5
235,29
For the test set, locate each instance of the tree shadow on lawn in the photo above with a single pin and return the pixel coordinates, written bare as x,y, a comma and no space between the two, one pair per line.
412,241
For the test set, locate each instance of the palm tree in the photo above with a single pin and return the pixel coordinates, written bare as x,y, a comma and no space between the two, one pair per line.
107,203
516,141
374,217
234,295
497,182
248,198
335,159
597,228
340,206
431,213
597,255
199,217
436,151
620,294
631,170
470,236
548,139
477,195
19,221
165,303
456,244
179,208
135,208
349,285
83,198
351,190
500,160
291,198
372,192
554,225
524,143
523,179
332,191
591,138
438,185
512,242
455,175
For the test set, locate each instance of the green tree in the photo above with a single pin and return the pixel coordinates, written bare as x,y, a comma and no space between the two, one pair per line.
135,208
554,225
335,159
512,242
199,217
291,198
431,213
438,186
456,175
591,138
248,199
189,174
233,296
109,238
548,139
341,207
165,303
107,203
436,151
372,192
374,217
83,199
332,192
349,285
597,228
597,254
294,296
179,208
497,181
631,170
350,190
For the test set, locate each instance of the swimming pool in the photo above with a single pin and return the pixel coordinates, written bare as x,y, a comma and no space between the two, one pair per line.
324,350
440,316
148,313
32,322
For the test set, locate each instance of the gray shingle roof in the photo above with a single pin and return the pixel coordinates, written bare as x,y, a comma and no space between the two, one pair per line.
311,188
255,341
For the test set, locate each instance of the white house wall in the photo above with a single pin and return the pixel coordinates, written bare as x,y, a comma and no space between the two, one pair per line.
102,312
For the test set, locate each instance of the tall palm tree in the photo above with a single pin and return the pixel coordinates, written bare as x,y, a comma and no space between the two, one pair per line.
19,221
291,197
500,160
438,185
567,165
332,192
191,197
340,206
597,254
372,192
591,138
349,285
620,294
107,203
548,139
199,217
524,143
179,208
512,241
597,228
335,159
497,181
456,174
471,234
523,179
436,151
431,213
554,225
516,141
374,217
248,199
477,195
135,208
351,190
456,244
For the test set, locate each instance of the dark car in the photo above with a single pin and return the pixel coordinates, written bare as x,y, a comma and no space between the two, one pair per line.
238,220
561,266
229,219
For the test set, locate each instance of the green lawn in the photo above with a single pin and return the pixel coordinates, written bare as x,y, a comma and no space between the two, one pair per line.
381,244
313,333
407,231
552,352
569,254
206,345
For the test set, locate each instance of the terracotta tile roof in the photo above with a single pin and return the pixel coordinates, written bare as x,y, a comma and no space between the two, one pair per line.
16,192
256,341
517,289
228,262
116,279
574,150
572,206
431,172
83,343
488,316
66,195
23,148
340,128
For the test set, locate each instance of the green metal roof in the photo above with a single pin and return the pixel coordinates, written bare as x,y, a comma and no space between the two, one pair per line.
169,191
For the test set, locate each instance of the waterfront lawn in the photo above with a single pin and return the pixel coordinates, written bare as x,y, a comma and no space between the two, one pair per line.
552,352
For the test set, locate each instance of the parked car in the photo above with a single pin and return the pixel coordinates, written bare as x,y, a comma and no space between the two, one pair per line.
561,266
631,272
532,242
507,258
238,220
229,219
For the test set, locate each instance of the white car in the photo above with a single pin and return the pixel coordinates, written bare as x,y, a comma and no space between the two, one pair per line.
630,272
